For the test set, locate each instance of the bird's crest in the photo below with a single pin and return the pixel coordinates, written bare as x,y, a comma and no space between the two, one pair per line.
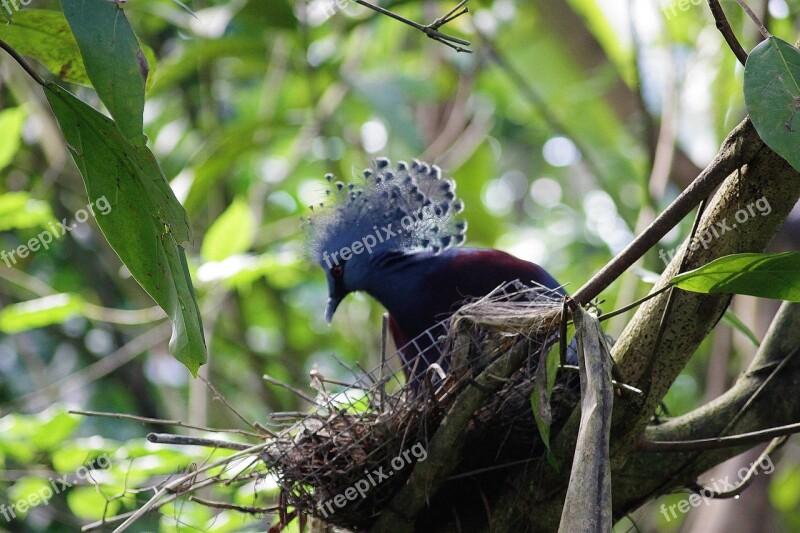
405,208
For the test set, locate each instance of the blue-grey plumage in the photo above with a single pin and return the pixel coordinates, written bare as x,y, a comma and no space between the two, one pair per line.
395,236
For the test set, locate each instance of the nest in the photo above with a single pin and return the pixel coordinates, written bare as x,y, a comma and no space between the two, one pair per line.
345,460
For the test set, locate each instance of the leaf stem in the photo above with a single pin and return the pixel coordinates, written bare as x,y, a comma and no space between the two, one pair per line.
754,17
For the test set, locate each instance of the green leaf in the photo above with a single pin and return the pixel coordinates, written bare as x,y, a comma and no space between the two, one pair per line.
33,491
40,312
152,64
772,96
89,504
114,61
785,490
43,431
232,233
253,16
540,397
763,275
46,37
733,321
56,426
146,225
19,211
72,453
184,7
542,424
11,122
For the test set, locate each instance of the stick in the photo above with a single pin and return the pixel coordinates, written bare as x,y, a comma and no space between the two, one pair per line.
181,440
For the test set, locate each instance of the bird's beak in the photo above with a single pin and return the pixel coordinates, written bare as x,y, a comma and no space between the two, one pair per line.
333,303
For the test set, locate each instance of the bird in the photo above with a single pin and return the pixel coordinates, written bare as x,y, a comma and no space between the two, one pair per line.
395,235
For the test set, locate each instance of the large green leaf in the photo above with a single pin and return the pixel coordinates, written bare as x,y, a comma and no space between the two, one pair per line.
772,95
46,37
764,275
146,225
114,61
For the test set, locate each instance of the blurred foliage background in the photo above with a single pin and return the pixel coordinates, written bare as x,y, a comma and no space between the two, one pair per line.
570,125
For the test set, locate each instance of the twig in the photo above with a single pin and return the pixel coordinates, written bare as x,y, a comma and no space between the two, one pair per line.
148,420
124,516
182,440
715,443
384,344
179,482
18,58
287,415
491,468
227,404
640,301
432,29
724,28
91,311
755,19
241,508
730,157
298,392
315,375
617,384
756,393
748,478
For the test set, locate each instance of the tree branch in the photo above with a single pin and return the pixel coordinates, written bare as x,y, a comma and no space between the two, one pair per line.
724,28
740,146
756,173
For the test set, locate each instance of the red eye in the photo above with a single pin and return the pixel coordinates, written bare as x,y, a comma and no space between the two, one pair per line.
337,271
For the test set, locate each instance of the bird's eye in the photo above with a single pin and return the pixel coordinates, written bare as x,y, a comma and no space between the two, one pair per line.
338,271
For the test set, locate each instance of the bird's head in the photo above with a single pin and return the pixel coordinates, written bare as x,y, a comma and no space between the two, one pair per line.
390,212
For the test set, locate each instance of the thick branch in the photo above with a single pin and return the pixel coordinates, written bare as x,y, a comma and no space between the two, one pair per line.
764,396
758,174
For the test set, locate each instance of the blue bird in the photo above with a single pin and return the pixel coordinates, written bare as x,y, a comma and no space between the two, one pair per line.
395,236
